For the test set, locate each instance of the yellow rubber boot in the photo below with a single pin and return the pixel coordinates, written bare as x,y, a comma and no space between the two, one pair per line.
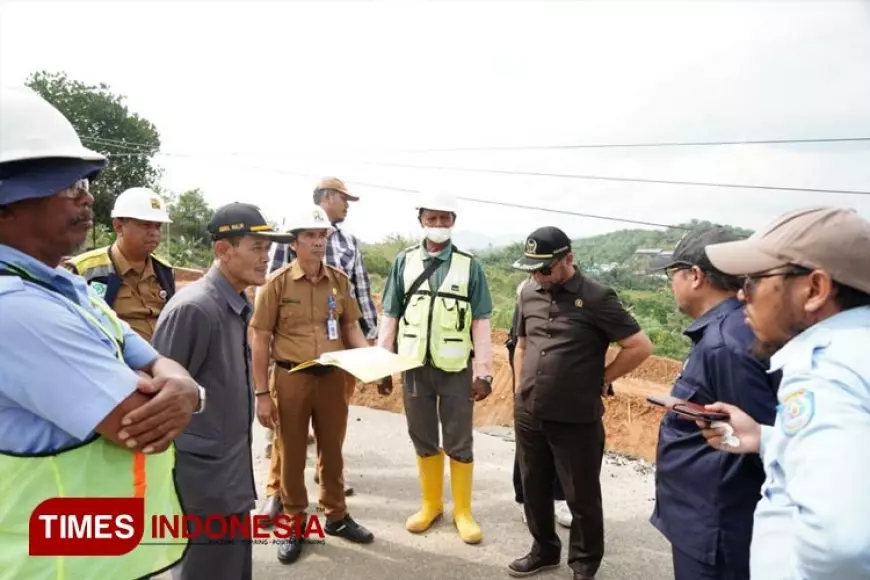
432,488
460,486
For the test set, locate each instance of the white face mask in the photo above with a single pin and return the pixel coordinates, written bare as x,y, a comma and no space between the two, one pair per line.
437,235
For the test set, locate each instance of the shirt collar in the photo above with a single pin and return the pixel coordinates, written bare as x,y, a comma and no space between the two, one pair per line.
59,278
801,347
443,255
237,301
124,266
718,312
297,273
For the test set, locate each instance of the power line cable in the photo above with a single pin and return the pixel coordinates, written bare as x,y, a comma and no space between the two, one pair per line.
605,178
637,145
618,179
483,201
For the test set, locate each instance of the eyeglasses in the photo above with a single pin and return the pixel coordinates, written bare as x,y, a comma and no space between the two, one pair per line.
750,281
671,272
77,190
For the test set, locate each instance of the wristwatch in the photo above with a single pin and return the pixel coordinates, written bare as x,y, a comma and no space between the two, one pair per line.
200,406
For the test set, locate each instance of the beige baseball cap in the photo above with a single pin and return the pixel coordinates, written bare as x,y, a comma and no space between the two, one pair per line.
336,184
833,239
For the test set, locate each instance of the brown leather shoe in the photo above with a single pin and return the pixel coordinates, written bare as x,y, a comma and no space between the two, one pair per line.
529,565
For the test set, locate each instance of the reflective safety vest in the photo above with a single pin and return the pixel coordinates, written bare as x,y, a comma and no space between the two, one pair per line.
98,269
94,468
436,325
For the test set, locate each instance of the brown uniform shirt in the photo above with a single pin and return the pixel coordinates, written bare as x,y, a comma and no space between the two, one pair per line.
568,330
296,312
140,298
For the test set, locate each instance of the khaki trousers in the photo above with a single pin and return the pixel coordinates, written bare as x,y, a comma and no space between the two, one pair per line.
303,398
273,485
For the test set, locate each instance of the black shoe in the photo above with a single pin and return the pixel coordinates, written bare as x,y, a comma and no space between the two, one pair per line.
528,565
579,576
349,530
271,508
289,550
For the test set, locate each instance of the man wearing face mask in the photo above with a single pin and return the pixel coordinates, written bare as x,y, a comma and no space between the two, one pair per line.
437,307
566,323
134,282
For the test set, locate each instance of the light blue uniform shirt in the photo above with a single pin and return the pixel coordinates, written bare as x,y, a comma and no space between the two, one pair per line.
59,376
813,520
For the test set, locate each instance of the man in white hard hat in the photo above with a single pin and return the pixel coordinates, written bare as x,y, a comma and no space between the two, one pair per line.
437,307
74,414
304,310
342,252
134,282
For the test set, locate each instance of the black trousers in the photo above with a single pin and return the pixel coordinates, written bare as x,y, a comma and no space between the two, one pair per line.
519,497
227,558
687,568
573,452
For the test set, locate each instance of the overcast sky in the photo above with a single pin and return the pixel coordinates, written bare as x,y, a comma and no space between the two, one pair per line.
255,101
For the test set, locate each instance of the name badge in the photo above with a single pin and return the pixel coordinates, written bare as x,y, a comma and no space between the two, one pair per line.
332,329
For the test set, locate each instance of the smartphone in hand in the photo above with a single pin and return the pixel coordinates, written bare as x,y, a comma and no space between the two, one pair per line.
686,409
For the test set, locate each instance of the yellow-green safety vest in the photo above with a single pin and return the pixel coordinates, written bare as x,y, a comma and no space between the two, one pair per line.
95,468
437,325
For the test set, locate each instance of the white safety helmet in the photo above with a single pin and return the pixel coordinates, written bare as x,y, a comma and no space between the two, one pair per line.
141,203
313,219
439,201
31,128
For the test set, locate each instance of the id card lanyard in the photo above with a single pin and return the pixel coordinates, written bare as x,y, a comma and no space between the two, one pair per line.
331,322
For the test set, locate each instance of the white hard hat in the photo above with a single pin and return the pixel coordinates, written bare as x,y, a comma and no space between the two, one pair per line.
313,219
141,203
439,201
31,128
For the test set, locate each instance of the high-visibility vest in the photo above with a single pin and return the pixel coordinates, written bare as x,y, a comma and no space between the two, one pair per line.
95,468
436,325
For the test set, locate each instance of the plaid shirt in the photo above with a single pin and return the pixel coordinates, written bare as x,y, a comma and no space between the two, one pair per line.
342,252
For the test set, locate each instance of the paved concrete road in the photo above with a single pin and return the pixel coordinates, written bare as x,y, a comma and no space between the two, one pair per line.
382,470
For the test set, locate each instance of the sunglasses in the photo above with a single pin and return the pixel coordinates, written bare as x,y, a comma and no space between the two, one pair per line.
548,269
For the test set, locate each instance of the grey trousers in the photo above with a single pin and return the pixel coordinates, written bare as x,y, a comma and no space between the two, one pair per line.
431,394
226,559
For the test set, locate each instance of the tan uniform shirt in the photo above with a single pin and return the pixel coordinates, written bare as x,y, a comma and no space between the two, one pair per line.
140,298
296,312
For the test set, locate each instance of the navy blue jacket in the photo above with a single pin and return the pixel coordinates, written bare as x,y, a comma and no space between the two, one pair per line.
705,498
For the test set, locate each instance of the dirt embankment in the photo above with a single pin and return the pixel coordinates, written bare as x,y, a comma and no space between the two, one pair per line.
631,422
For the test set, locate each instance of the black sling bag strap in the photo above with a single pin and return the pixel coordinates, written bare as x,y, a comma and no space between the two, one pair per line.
428,271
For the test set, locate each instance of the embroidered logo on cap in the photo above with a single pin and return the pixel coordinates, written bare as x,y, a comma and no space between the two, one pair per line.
531,246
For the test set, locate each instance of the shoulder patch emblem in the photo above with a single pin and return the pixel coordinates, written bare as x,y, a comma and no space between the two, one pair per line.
796,411
99,289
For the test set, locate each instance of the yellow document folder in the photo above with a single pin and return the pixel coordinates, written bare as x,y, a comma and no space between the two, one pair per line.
367,364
